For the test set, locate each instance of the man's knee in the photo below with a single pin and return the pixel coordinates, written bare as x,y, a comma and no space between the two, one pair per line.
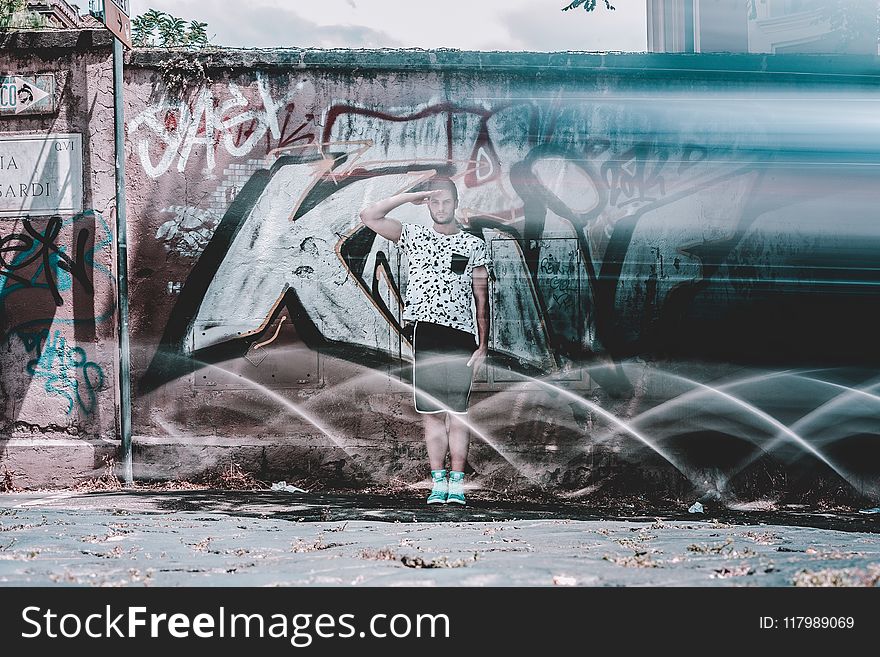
459,419
434,419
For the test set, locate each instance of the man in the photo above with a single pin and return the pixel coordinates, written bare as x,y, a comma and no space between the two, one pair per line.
447,269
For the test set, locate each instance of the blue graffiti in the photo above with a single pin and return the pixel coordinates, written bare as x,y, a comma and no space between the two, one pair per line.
67,370
38,262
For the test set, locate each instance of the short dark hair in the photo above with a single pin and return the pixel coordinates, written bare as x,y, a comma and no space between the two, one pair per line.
440,182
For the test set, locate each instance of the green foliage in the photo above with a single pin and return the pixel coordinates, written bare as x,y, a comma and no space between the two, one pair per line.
154,28
172,31
588,5
14,13
8,9
197,34
141,34
154,16
143,28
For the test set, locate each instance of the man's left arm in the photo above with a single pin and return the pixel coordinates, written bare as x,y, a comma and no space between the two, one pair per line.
480,286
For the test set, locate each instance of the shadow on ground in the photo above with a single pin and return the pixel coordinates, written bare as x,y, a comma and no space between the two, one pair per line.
324,507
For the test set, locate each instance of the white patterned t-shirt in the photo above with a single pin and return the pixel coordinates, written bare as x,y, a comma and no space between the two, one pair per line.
440,275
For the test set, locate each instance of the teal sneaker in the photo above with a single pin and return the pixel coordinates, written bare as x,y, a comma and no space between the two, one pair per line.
440,487
455,490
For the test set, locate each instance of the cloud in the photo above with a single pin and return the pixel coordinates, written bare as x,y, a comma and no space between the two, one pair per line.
467,24
282,28
270,27
549,29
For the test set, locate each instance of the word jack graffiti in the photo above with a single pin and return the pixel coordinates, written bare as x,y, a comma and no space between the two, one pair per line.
585,195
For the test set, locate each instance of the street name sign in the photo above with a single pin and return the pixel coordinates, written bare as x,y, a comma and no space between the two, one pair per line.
41,174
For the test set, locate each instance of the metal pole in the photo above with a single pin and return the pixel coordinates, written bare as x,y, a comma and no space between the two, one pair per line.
122,270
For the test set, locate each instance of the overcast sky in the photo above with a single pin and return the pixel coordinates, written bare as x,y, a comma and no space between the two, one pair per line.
464,24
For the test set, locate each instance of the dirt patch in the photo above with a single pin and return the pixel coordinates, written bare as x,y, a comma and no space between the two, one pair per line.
438,562
164,486
725,549
839,577
762,538
314,546
735,571
228,477
385,554
716,548
638,560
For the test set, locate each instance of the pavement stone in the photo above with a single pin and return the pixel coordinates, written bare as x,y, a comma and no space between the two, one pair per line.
254,539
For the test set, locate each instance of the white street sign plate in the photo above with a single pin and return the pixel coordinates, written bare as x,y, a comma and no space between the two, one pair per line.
41,174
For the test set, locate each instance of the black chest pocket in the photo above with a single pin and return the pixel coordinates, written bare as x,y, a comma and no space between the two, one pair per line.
459,263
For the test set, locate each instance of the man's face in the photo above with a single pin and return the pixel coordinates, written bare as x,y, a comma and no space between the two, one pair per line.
442,207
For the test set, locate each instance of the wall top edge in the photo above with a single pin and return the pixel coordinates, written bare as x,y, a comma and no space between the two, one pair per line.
842,67
30,40
362,60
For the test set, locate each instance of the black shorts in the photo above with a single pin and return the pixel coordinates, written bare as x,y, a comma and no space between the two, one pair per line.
441,376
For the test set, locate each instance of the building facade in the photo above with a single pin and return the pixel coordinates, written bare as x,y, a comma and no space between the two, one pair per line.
762,26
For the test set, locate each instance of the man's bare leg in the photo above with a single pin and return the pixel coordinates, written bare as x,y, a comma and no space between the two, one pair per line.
436,439
459,441
458,451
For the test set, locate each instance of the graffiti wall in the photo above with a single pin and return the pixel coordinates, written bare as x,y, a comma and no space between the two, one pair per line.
684,265
58,344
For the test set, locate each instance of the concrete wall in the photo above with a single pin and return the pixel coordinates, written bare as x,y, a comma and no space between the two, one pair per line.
57,299
658,224
685,267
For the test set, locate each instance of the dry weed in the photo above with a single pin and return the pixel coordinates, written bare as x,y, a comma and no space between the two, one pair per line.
7,485
717,548
232,477
314,546
385,554
106,482
764,538
638,560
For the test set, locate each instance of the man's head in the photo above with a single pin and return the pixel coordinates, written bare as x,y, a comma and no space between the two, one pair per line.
442,205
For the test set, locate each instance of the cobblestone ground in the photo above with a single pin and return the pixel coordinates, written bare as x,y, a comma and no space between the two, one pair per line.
219,538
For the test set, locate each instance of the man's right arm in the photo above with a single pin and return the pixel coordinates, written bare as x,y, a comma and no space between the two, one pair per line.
373,216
